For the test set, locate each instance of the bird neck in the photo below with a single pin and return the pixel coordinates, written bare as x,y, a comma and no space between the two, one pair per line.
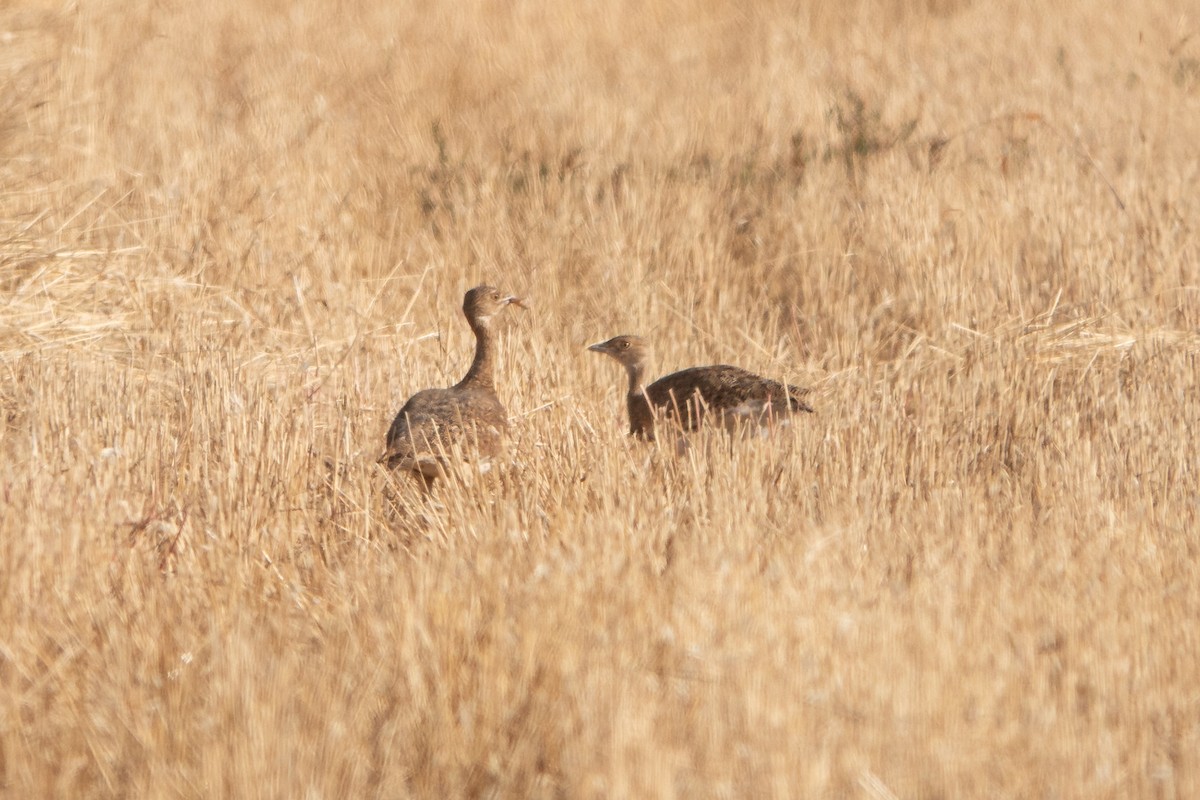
480,373
637,371
641,415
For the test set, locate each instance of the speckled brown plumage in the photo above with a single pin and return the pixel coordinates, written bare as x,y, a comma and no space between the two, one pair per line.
687,396
466,420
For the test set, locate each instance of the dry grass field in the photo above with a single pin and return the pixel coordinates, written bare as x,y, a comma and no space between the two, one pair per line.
236,235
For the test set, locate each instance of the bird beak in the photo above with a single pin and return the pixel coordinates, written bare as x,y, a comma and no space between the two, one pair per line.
517,301
598,347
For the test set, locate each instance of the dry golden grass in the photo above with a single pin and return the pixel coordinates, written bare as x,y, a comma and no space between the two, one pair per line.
235,239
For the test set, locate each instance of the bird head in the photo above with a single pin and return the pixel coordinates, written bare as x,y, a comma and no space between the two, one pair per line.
630,350
483,302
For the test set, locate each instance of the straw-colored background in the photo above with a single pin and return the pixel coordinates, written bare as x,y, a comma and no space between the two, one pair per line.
236,237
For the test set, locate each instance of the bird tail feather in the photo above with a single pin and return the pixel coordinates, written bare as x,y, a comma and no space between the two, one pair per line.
796,401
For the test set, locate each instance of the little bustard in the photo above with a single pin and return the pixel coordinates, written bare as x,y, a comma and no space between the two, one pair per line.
467,419
730,393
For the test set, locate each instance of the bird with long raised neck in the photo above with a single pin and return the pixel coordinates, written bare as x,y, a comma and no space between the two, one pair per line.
732,394
466,420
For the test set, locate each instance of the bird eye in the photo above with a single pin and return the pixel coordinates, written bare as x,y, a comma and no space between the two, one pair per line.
625,344
495,295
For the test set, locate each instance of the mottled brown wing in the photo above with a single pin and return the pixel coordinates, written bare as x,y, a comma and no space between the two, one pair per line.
424,426
484,420
436,423
688,394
